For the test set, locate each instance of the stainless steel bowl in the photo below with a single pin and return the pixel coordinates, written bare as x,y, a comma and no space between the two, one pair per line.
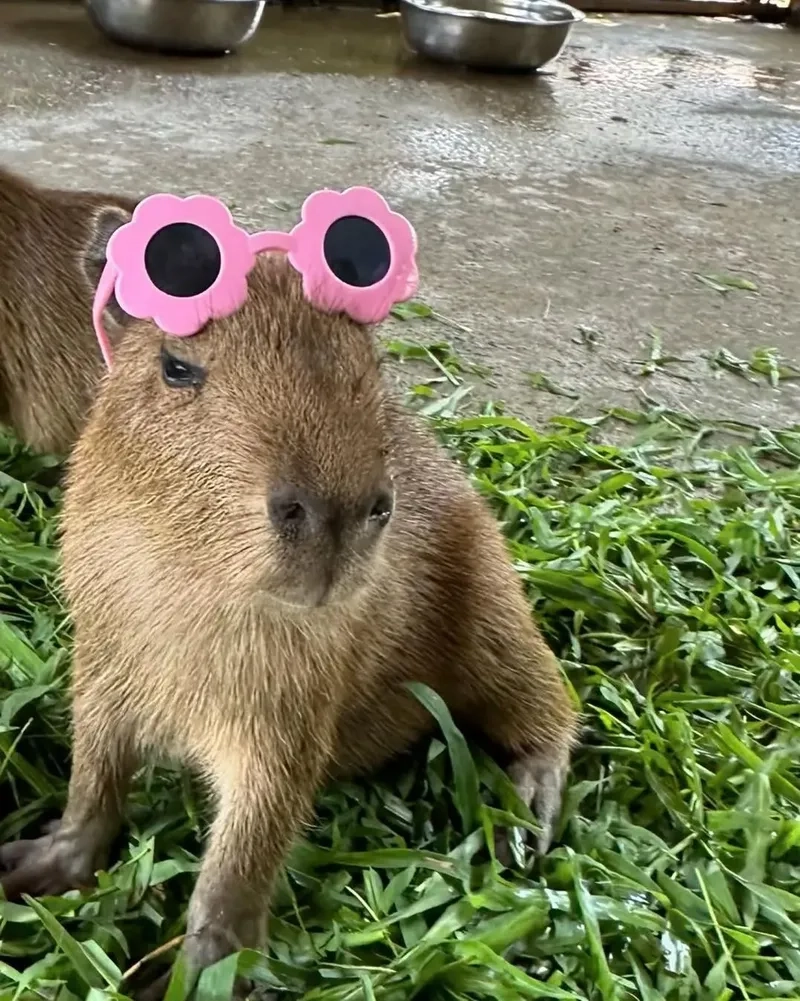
209,27
489,34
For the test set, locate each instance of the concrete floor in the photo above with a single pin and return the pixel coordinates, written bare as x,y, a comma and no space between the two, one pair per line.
655,148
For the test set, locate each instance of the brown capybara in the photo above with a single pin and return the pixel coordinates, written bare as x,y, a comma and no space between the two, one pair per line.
261,547
52,250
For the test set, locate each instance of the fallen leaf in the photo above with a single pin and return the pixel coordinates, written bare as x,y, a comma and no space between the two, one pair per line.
538,380
724,283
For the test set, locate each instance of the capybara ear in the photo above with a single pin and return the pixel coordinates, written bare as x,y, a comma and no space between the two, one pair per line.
105,221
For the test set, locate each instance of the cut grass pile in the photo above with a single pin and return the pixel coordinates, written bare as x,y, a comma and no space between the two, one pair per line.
666,574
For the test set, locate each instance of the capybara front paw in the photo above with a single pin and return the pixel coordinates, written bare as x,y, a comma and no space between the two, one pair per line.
45,866
539,779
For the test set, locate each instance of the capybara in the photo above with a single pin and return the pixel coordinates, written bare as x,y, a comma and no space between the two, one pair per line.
261,547
52,250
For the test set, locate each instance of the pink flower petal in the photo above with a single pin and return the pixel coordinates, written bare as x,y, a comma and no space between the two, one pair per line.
410,285
306,254
236,253
402,239
156,211
370,307
366,202
126,246
182,317
225,299
135,292
210,213
321,204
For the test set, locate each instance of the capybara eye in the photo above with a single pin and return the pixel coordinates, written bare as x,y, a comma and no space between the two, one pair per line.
381,510
180,374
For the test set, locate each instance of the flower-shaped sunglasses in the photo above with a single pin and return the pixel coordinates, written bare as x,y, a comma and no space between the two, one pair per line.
181,262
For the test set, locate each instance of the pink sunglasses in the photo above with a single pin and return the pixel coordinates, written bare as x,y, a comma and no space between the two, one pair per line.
181,262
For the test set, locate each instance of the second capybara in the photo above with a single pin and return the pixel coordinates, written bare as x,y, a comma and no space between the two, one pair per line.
52,250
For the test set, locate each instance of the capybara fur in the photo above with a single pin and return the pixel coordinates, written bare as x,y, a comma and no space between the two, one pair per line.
261,547
52,251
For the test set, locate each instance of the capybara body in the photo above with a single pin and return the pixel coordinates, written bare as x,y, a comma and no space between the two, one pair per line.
261,547
52,250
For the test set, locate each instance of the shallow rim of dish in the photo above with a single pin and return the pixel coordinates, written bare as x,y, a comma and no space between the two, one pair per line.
571,14
198,3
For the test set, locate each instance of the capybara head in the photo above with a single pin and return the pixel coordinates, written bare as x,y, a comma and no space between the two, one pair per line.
256,452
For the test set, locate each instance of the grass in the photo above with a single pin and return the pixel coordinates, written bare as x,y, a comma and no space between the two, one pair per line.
666,574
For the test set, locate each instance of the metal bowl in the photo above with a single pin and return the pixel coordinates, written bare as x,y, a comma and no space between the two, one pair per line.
207,27
489,34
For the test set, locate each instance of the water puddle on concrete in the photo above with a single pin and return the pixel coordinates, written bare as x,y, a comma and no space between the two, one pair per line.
349,41
362,44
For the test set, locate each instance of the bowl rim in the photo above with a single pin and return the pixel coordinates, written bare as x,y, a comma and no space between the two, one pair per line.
572,14
252,3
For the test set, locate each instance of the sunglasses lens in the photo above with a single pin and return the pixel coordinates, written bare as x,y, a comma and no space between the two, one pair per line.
182,259
356,251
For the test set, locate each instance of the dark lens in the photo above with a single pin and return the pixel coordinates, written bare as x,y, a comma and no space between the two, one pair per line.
182,259
356,251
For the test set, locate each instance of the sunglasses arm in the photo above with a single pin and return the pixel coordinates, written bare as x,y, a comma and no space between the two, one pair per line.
102,297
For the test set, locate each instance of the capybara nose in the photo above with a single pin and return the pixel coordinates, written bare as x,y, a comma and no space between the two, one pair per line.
296,513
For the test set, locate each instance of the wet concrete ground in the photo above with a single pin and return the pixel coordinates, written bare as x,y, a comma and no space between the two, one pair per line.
653,150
